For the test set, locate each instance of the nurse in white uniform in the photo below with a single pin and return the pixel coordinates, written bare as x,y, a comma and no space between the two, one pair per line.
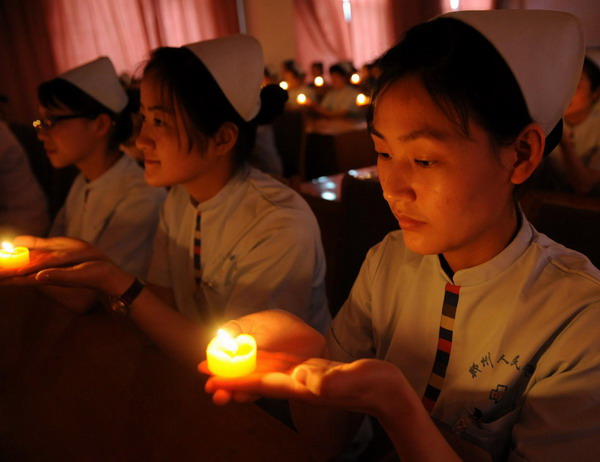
468,335
84,117
231,239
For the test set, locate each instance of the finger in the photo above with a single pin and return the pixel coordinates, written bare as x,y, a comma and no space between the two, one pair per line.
203,368
31,242
64,276
310,376
244,397
233,328
28,280
221,397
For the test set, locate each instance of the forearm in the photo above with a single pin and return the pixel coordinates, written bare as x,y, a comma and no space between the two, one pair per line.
414,435
177,335
180,337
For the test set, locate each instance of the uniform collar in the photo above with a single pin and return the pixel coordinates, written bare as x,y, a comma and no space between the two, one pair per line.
108,177
500,263
223,195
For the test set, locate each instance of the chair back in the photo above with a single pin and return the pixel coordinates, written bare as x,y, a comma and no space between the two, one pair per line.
290,139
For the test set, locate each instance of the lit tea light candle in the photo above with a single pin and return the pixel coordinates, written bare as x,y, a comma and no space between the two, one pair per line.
362,99
283,84
319,82
355,78
301,98
13,257
231,357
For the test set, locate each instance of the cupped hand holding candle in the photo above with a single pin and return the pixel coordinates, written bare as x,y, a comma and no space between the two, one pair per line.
231,357
13,257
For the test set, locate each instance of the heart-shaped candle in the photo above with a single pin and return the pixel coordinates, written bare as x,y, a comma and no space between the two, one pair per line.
231,357
13,257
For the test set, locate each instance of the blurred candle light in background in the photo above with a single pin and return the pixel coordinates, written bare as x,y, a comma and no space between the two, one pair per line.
319,82
301,98
283,84
355,79
362,99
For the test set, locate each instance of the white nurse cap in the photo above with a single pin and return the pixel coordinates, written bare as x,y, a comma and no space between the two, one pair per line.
236,63
544,50
99,79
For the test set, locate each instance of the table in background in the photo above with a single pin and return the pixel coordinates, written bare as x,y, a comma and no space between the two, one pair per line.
92,387
337,145
567,218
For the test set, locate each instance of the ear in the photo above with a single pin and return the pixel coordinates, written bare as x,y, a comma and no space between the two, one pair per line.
528,150
226,137
103,124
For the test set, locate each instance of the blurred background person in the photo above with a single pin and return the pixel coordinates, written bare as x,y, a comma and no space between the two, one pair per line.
84,116
369,73
23,204
340,99
265,154
317,80
574,166
296,86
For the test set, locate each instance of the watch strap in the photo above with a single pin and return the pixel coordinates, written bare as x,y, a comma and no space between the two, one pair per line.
122,304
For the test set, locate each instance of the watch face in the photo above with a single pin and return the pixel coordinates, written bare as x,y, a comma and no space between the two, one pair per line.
123,303
118,306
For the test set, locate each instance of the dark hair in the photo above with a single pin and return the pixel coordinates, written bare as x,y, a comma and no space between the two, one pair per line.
187,84
465,76
339,69
593,72
463,73
58,93
293,67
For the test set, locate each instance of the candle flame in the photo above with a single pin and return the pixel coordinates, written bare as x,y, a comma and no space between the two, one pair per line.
8,247
355,78
283,84
319,82
227,341
301,98
362,99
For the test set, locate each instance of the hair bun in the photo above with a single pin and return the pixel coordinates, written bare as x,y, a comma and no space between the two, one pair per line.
272,103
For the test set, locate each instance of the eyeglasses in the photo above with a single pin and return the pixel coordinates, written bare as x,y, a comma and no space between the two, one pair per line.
50,122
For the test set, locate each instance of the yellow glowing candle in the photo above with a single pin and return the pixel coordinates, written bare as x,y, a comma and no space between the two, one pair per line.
319,82
301,98
362,100
355,78
283,84
13,257
231,357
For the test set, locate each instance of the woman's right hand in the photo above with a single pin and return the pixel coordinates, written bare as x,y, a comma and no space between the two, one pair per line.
279,330
284,341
